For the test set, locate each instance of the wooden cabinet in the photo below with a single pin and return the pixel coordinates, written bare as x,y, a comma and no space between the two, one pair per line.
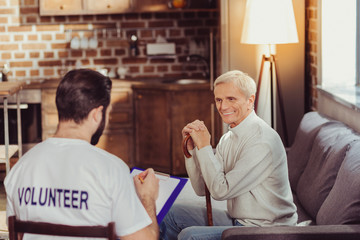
161,111
82,7
74,7
117,137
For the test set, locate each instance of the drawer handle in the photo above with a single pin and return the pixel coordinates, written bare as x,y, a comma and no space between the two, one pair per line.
61,7
108,6
139,96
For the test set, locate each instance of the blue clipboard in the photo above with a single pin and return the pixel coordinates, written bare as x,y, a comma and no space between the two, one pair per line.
171,199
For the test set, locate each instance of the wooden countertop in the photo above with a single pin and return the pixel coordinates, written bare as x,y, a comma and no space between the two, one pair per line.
135,83
10,88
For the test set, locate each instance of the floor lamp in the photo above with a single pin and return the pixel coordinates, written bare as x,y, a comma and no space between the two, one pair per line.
270,22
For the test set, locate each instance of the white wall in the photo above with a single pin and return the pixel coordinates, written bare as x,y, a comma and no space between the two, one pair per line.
247,58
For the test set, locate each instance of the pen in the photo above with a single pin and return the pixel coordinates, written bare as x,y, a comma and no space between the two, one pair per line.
141,179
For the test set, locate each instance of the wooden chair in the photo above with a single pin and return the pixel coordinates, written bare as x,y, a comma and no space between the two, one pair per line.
17,228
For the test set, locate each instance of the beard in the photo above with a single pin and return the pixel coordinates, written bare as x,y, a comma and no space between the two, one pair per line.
96,136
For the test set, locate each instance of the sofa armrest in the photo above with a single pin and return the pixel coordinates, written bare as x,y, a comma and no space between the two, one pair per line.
316,232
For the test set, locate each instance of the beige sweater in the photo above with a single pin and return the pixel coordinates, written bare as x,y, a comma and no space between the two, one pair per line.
249,170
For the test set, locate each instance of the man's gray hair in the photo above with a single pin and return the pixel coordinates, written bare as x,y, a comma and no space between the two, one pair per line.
242,80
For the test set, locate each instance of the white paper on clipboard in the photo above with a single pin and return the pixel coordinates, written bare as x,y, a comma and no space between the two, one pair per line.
169,188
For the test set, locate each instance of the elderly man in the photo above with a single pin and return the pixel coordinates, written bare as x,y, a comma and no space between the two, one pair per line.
67,180
249,169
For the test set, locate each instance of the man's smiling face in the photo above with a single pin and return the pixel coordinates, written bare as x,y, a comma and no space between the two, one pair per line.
232,103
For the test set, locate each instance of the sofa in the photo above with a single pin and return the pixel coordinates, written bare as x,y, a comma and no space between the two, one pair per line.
324,174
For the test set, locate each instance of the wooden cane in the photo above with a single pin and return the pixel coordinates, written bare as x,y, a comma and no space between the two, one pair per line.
207,193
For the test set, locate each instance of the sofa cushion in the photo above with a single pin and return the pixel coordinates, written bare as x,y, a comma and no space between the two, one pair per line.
342,206
299,152
328,152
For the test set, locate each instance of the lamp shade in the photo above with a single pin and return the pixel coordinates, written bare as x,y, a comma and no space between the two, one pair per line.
269,22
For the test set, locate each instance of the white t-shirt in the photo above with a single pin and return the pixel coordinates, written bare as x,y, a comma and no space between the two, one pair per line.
69,181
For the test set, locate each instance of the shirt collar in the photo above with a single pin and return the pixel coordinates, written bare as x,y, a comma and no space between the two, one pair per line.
243,125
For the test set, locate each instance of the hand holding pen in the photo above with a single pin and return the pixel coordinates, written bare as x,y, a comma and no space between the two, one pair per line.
147,184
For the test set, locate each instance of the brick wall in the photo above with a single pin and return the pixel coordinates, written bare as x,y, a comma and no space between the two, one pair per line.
311,61
39,47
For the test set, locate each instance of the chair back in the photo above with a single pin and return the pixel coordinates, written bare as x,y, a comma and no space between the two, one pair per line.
17,228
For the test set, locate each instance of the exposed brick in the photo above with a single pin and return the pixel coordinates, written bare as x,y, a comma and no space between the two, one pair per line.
29,10
149,69
132,24
162,68
2,29
133,60
49,63
19,55
146,34
32,37
3,3
105,52
29,2
189,14
21,64
105,61
63,54
9,47
60,36
60,19
9,11
29,46
46,37
161,32
4,38
131,16
161,15
20,73
134,69
59,45
14,3
45,19
117,43
3,20
74,18
34,54
162,60
119,52
5,55
48,54
85,62
190,23
146,15
161,24
91,53
48,72
34,72
175,33
31,19
88,18
76,53
47,28
19,28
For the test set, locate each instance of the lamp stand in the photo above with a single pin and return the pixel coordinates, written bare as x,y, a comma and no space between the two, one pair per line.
273,70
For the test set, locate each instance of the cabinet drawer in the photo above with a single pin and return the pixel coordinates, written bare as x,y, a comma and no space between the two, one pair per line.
60,7
107,6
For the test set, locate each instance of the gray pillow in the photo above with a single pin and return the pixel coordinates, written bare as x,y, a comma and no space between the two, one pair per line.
299,152
327,154
342,206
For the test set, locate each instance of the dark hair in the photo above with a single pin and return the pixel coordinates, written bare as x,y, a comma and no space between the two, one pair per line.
80,91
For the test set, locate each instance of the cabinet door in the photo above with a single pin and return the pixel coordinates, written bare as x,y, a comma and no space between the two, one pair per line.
49,116
152,127
186,107
106,6
119,143
60,7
